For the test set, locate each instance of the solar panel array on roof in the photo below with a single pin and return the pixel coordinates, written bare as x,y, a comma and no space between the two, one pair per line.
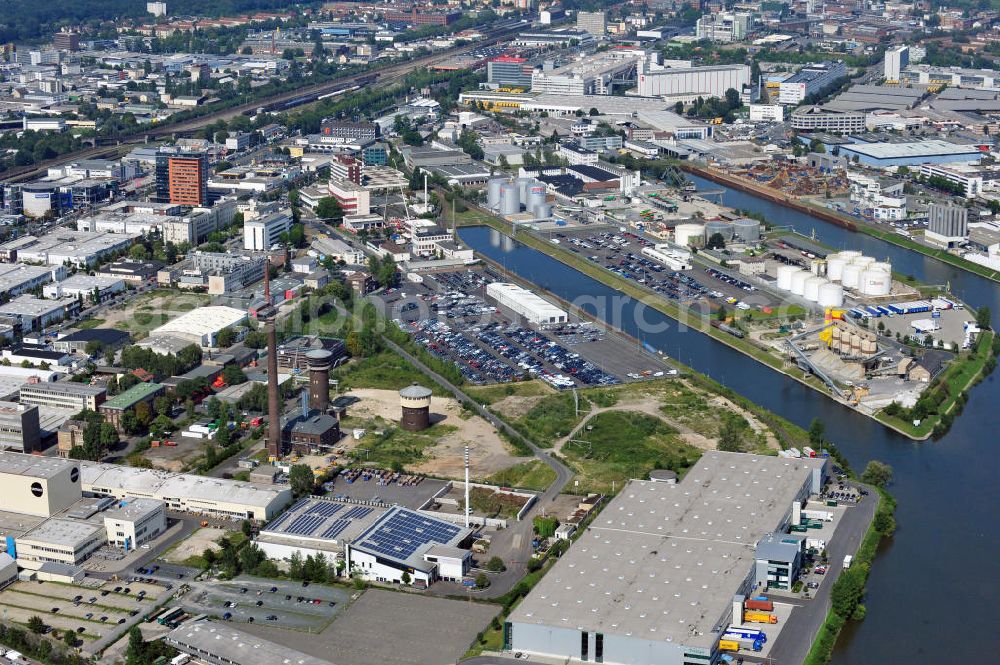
400,535
324,509
317,518
285,515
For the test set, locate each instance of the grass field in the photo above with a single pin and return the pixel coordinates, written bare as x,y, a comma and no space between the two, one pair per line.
493,394
87,324
384,370
620,445
153,309
533,475
396,448
554,416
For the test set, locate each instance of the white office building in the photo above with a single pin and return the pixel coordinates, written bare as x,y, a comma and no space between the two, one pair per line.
692,82
811,80
135,522
263,233
725,27
534,308
896,61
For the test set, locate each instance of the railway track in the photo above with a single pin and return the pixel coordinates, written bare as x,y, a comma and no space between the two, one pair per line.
303,96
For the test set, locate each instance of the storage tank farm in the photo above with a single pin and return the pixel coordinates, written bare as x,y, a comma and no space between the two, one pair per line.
687,234
826,282
746,230
508,197
725,229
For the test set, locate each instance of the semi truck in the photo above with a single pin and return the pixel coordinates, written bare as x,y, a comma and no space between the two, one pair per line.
760,604
739,633
759,617
821,515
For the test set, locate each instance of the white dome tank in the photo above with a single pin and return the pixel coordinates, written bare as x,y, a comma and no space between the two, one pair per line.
875,283
850,255
851,276
785,277
831,295
835,267
884,266
810,290
799,281
684,234
863,261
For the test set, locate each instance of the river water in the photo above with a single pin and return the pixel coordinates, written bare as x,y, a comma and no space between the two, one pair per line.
933,596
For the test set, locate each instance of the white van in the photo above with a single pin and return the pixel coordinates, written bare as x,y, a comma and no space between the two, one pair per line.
847,561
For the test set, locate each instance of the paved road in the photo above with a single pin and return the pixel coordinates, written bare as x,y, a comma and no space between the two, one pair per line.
514,543
799,632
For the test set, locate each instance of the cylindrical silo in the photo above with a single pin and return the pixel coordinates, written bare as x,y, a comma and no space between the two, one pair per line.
542,211
863,261
835,267
687,234
875,283
816,266
884,266
747,230
510,203
415,401
785,277
810,290
493,193
851,276
536,196
723,228
831,295
849,255
522,188
799,281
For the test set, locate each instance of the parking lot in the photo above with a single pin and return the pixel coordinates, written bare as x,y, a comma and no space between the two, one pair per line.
450,315
284,604
412,496
621,253
94,612
391,628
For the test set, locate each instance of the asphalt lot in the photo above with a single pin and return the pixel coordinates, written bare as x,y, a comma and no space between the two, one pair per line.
392,628
411,497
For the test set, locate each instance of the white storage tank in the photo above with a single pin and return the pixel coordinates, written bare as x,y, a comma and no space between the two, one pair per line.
851,276
747,230
542,211
785,277
510,203
816,266
536,196
884,266
522,188
831,295
863,261
835,267
810,290
725,229
850,254
686,234
875,283
493,193
799,281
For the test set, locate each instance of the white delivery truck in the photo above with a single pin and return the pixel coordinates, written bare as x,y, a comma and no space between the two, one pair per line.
847,561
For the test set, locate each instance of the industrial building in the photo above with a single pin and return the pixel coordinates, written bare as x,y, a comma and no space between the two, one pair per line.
201,326
316,526
261,234
693,82
63,395
897,60
221,644
653,577
810,81
509,71
78,341
594,23
62,246
725,27
821,119
18,278
914,153
201,495
19,427
404,541
135,522
38,486
521,301
91,288
947,225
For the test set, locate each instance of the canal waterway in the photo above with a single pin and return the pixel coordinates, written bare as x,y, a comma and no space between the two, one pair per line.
934,594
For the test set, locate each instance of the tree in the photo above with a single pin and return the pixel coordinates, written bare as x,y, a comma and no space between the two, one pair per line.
716,241
163,405
594,111
129,422
328,209
143,414
36,625
817,432
730,436
496,565
301,480
404,578
877,473
225,337
847,591
233,375
482,581
138,252
93,347
983,317
69,638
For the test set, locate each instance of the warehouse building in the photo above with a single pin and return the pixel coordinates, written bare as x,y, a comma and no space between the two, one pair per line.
217,497
220,644
36,313
18,278
63,246
316,526
915,153
404,541
8,570
693,82
77,342
19,427
92,288
135,522
653,578
63,395
59,541
535,309
200,326
810,81
38,486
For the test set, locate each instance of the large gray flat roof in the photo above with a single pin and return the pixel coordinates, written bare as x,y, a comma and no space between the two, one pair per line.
662,561
33,465
220,642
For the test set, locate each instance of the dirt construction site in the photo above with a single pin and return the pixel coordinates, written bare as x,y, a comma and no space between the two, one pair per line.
445,458
195,545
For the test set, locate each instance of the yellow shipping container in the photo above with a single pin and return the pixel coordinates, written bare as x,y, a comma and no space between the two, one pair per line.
729,645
